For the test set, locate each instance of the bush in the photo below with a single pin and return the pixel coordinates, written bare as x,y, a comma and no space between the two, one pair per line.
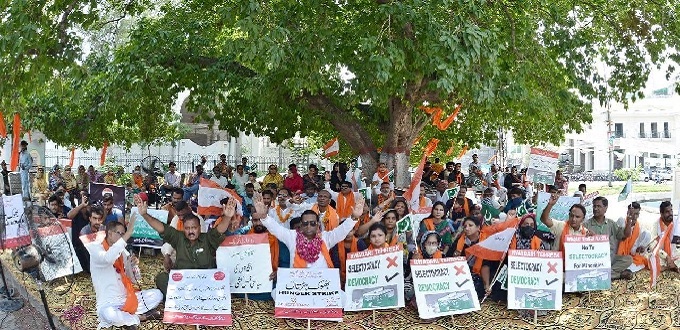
625,173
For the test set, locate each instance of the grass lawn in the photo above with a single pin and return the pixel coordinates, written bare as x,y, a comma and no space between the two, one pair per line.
617,187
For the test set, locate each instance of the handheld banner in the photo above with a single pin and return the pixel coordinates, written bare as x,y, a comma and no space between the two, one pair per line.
62,260
542,166
443,287
142,234
98,190
375,279
535,280
303,293
242,256
16,233
587,263
198,297
560,210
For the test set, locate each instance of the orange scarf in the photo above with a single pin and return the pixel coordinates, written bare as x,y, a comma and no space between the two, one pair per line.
342,255
466,206
535,243
273,248
459,178
298,262
429,224
345,205
131,302
565,232
282,218
395,238
382,198
626,245
477,267
667,242
370,246
382,175
423,202
437,255
330,220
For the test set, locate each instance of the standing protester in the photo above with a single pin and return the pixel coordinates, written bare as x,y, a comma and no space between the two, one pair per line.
25,163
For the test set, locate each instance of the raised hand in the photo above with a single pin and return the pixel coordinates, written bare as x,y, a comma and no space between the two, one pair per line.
358,209
142,206
258,202
553,199
229,210
377,217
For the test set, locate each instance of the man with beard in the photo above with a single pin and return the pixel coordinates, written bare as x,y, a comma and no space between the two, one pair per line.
195,250
329,218
25,164
636,244
180,209
669,254
573,226
600,225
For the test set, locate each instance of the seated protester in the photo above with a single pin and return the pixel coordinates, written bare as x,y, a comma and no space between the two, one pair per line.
111,213
381,175
80,216
310,195
247,196
438,223
309,246
218,178
384,198
515,200
96,221
600,225
56,206
636,244
457,213
344,200
428,173
339,253
330,219
195,250
430,246
66,198
668,252
176,195
423,201
313,178
252,178
466,205
180,210
117,302
473,233
293,181
457,175
377,236
573,226
39,189
282,212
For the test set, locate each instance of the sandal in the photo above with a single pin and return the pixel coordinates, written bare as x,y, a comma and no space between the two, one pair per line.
152,315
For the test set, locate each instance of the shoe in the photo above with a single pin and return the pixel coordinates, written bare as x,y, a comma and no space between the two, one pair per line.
627,275
131,327
153,315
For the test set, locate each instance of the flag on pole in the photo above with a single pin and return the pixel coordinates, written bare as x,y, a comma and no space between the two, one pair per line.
331,148
209,196
451,193
366,193
412,194
489,212
627,189
654,260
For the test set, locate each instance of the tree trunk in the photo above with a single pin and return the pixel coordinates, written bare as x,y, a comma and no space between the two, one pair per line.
399,141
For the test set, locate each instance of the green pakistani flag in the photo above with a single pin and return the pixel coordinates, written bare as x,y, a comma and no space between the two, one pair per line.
366,192
489,212
627,189
452,192
522,209
405,224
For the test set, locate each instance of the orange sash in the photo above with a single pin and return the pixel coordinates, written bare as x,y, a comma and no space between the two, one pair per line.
382,198
626,245
535,243
423,202
667,242
282,218
345,205
437,255
429,224
330,220
273,248
477,267
298,262
565,232
395,238
342,255
131,302
466,206
459,178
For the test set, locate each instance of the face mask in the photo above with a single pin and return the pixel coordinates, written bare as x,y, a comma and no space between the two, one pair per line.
526,232
431,249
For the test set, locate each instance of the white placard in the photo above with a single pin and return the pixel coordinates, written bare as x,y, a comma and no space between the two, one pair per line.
243,257
587,263
198,296
16,233
535,279
443,287
375,279
303,293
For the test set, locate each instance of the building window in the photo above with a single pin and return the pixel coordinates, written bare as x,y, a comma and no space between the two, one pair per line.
618,130
642,130
653,155
655,131
666,131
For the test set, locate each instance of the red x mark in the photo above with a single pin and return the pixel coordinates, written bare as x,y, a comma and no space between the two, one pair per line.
460,270
552,267
391,262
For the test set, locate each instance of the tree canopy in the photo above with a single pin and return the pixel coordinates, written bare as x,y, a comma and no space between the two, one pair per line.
362,69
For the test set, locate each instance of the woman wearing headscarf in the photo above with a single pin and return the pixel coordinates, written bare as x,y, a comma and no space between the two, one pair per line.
293,180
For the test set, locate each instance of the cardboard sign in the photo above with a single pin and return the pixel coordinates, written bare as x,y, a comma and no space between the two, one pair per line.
560,210
61,257
247,260
303,293
199,297
587,263
16,233
542,166
534,279
375,279
443,287
143,234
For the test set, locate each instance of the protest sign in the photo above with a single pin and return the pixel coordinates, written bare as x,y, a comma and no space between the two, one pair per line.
375,279
98,190
303,293
16,233
587,263
198,297
142,234
443,287
588,204
62,260
535,279
243,257
542,166
560,210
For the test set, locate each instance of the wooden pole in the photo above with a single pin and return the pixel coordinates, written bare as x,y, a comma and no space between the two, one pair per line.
535,317
309,324
246,299
374,317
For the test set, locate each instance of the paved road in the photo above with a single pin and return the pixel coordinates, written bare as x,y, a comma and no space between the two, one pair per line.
27,318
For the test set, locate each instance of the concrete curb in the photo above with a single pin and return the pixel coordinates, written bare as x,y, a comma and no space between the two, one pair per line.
13,282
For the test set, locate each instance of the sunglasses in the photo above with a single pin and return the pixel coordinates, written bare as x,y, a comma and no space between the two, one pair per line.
308,223
344,187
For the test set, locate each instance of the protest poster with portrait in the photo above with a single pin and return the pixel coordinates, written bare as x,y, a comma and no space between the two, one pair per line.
247,260
535,279
97,192
443,287
198,297
375,279
303,293
143,235
587,263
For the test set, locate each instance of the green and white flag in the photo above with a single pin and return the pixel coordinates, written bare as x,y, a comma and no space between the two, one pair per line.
405,224
366,192
627,189
489,212
451,192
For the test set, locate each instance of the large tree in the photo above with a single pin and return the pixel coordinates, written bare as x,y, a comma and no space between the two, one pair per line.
365,69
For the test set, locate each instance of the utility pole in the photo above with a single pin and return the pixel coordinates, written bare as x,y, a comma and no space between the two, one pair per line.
610,139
